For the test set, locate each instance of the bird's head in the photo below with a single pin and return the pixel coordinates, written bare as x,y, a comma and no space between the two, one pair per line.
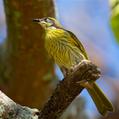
48,22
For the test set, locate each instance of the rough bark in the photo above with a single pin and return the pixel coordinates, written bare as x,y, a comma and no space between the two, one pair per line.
10,110
65,92
68,89
27,66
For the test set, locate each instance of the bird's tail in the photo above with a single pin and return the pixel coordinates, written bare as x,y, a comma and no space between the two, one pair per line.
101,101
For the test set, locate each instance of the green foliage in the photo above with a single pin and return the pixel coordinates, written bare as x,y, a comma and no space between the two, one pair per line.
115,26
115,18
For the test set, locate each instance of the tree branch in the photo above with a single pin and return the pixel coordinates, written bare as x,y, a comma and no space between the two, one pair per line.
10,110
68,89
63,95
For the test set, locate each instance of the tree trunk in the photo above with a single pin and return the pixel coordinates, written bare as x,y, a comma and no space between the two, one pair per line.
27,65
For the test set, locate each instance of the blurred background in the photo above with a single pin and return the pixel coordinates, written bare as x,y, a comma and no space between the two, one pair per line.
28,76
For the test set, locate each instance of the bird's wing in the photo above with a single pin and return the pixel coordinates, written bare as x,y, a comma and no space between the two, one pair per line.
78,44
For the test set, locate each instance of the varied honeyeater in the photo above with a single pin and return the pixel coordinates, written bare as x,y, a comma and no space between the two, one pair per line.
67,51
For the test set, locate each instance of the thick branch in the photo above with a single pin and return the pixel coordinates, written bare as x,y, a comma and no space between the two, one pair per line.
63,95
11,110
68,89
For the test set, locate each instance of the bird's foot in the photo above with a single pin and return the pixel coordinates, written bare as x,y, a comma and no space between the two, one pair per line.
83,62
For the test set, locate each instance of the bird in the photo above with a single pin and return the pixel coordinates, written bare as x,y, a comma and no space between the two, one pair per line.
67,51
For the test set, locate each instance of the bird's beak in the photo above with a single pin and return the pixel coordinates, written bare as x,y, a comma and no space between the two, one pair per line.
41,22
37,20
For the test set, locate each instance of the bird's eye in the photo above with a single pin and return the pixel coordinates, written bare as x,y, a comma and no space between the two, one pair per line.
48,20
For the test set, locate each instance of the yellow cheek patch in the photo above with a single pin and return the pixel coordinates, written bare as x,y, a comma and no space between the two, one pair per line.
49,24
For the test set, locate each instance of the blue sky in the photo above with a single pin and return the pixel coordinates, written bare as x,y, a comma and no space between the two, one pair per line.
2,23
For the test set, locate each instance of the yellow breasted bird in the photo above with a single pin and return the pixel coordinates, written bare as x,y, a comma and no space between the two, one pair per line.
67,51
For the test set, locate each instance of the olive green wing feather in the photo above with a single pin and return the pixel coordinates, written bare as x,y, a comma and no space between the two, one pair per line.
99,98
78,44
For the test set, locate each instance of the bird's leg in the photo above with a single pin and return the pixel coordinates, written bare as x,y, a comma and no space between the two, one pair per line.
75,67
83,83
